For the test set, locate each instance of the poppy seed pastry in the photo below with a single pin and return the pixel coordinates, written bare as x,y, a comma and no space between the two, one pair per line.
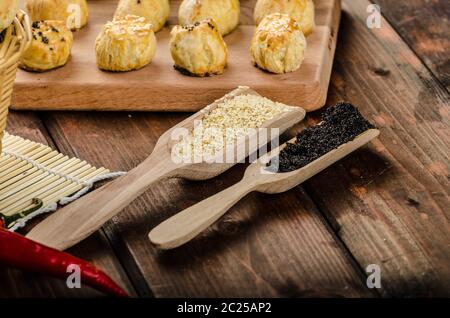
74,12
125,44
225,13
154,11
198,49
50,46
8,9
301,10
278,45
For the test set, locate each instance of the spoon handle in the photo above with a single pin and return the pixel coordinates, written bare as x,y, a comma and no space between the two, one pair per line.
184,226
75,222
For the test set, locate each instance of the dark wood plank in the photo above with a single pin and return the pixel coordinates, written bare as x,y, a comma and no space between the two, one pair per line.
391,200
425,26
267,246
96,249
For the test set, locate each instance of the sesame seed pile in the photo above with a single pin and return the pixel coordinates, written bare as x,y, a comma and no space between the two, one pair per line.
225,124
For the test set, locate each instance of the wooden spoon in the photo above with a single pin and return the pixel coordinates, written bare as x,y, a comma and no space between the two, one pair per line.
184,226
78,220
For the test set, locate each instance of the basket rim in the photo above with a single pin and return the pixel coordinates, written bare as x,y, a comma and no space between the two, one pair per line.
17,39
15,44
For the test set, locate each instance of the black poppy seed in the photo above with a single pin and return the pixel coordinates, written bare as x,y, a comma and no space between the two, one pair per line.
54,29
340,124
45,39
36,25
190,28
413,201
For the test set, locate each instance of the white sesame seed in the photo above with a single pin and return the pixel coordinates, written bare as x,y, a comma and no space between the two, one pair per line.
227,122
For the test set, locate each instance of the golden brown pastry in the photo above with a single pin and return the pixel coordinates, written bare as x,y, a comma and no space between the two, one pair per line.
225,13
154,11
8,9
125,44
278,45
50,46
198,49
301,10
74,12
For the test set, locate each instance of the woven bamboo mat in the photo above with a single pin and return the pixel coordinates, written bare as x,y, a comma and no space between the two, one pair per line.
30,170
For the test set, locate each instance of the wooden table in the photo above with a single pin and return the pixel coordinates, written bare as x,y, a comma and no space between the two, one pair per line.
387,204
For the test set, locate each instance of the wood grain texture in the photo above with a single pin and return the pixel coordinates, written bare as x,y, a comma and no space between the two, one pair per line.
391,202
425,26
267,246
96,249
80,85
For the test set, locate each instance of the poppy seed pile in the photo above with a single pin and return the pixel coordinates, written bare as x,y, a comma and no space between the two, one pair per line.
340,124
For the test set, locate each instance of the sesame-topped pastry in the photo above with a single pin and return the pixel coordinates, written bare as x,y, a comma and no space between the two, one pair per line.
74,12
8,9
125,44
225,13
154,11
50,46
301,10
198,49
278,45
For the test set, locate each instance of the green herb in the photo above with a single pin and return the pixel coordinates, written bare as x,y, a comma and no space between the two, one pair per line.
8,220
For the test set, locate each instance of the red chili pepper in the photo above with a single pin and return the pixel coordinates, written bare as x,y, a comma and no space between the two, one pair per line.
22,253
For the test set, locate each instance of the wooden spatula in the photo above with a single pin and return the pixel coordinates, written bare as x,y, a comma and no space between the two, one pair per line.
187,224
78,220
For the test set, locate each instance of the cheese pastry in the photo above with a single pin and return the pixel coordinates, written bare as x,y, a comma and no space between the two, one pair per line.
278,45
50,46
225,13
8,9
74,12
125,44
198,49
154,11
301,10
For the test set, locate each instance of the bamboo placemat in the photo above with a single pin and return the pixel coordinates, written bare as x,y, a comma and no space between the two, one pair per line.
30,171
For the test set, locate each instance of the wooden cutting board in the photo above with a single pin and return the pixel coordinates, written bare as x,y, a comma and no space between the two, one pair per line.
80,85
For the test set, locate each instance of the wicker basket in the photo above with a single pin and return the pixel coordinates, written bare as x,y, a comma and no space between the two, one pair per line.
16,39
